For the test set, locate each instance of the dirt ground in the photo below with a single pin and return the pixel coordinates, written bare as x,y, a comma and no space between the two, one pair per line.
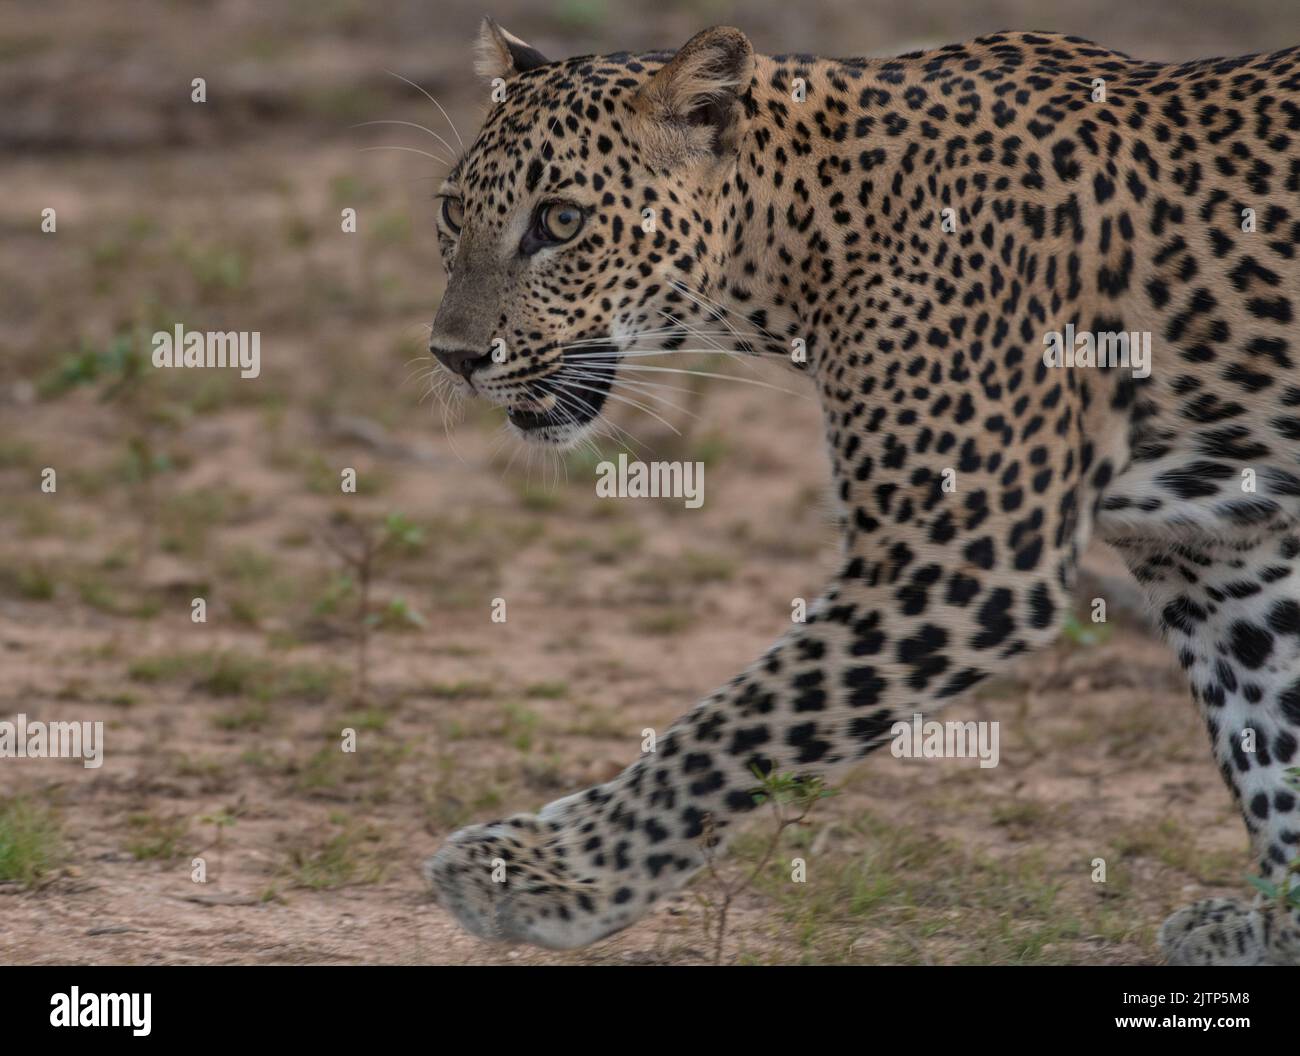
223,737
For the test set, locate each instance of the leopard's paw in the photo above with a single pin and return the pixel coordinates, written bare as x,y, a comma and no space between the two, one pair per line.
1222,931
517,880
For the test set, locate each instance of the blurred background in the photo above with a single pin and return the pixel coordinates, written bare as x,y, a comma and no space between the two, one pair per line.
371,611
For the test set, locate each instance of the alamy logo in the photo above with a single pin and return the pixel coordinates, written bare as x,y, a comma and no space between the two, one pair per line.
1105,348
21,739
209,348
102,1010
928,739
632,479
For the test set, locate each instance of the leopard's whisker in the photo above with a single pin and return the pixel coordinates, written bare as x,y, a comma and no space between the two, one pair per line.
649,389
646,385
623,399
723,377
409,124
435,102
692,330
639,352
645,334
550,129
700,298
410,150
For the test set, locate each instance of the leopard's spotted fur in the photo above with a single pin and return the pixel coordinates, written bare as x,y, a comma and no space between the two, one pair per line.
820,216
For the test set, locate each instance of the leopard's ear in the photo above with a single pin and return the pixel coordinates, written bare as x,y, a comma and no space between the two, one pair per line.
501,54
702,90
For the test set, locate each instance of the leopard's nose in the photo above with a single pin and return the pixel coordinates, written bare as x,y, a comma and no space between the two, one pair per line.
462,361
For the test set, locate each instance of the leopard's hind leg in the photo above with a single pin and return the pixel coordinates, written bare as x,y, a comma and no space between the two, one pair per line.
1231,612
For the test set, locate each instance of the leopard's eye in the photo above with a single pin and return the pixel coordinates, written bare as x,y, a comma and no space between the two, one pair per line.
558,222
453,213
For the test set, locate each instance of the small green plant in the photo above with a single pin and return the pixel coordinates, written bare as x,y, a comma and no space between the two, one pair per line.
464,690
31,843
361,546
1287,893
397,615
31,583
337,593
1083,634
402,536
157,838
519,726
792,798
253,716
546,690
220,821
233,674
351,855
122,372
670,620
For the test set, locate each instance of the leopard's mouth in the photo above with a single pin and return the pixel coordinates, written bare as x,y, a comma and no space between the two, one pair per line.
558,406
529,415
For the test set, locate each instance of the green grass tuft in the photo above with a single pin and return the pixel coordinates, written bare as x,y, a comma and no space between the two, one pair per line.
31,841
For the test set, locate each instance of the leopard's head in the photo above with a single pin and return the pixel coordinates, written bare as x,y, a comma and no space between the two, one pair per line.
586,216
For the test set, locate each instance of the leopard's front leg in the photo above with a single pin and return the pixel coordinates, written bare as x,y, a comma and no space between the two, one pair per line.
901,633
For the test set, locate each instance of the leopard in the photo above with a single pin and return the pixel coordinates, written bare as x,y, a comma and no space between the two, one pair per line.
922,229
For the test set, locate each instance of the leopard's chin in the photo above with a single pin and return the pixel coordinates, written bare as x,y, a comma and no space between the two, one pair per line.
534,418
548,429
551,423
